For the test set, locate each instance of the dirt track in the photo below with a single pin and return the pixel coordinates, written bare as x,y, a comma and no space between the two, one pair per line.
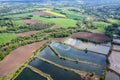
31,21
55,27
58,39
17,57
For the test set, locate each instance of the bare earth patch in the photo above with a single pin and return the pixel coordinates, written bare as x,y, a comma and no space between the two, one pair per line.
31,21
17,57
90,36
27,33
58,39
115,61
39,13
116,47
112,76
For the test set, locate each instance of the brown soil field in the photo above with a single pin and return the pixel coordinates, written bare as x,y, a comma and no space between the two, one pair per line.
90,36
55,27
115,61
27,33
59,39
39,13
116,47
16,58
31,21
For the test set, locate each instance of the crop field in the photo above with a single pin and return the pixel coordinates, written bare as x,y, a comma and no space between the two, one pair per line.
73,15
57,11
100,26
63,22
112,76
59,40
55,14
91,36
20,15
23,52
115,21
6,37
39,13
19,22
116,48
115,61
27,33
28,21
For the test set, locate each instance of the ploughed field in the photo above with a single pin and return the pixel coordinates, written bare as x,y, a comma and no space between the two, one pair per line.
112,76
11,63
62,62
28,21
91,36
27,33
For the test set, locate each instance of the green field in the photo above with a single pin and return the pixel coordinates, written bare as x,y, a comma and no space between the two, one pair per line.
114,21
20,15
57,11
3,28
18,18
19,22
73,15
70,14
63,22
100,26
6,37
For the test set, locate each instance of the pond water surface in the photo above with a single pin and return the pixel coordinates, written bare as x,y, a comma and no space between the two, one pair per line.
48,54
99,48
73,53
28,74
55,72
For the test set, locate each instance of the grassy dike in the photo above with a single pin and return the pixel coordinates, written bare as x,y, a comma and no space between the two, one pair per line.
77,61
40,72
105,68
81,73
13,75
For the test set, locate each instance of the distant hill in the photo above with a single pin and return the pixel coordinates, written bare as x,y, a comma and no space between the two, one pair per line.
24,0
91,1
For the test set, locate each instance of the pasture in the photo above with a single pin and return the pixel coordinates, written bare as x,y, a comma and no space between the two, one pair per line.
19,23
6,37
63,22
20,15
100,26
73,15
114,21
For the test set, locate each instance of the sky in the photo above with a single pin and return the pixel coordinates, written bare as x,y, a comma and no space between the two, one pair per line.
67,0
